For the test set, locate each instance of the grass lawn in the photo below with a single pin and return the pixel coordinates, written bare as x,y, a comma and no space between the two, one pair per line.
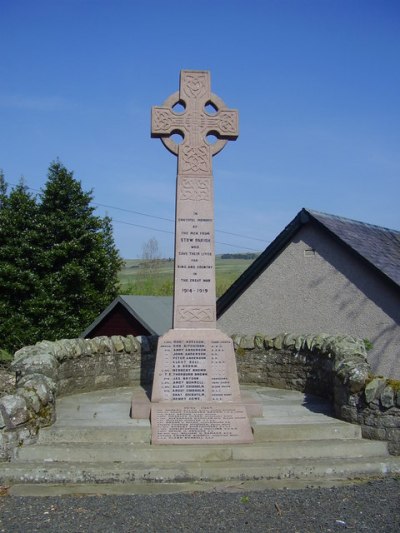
134,281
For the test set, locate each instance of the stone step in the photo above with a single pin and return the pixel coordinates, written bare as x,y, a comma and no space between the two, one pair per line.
289,409
311,448
265,431
124,472
140,432
95,441
105,452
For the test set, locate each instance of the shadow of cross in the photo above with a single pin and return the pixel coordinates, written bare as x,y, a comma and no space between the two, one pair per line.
203,114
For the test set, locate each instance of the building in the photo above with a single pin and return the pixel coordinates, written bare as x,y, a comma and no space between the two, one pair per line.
133,315
325,274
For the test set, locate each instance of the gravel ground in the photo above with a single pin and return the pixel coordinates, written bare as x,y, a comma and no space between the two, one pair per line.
372,506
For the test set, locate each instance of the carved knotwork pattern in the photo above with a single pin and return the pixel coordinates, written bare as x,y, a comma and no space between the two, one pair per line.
228,122
195,159
195,313
162,120
194,123
195,84
195,189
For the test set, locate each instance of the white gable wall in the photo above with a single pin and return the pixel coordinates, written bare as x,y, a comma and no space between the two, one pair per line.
330,291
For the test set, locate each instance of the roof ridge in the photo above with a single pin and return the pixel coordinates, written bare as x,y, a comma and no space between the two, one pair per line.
346,219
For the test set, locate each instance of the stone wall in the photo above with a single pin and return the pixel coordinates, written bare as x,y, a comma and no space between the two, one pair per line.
332,367
105,362
51,369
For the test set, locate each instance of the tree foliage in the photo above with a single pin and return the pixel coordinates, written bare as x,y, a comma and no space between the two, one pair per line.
58,261
19,245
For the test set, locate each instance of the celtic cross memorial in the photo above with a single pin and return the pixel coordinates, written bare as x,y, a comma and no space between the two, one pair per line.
196,396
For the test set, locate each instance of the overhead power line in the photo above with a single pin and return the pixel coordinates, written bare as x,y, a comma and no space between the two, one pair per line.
140,213
141,226
172,233
172,220
134,212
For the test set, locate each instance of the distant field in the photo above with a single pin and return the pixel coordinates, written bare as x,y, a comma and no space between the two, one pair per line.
133,279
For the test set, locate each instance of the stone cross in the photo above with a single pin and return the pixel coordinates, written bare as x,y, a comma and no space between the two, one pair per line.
196,396
203,114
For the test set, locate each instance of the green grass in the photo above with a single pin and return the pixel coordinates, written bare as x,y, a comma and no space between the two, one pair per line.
134,281
5,358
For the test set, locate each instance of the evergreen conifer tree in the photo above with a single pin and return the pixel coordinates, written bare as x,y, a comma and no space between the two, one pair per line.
58,261
79,262
19,247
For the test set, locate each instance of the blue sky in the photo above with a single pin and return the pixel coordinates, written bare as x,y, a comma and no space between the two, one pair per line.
316,83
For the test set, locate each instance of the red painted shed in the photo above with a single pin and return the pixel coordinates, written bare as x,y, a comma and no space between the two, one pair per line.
133,315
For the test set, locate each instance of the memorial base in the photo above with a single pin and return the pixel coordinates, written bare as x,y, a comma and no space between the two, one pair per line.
195,365
200,423
196,397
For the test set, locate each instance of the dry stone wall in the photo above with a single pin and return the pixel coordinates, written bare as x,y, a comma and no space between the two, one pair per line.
51,369
332,367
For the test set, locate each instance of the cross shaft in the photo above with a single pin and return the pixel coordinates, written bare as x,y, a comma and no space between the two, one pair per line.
194,277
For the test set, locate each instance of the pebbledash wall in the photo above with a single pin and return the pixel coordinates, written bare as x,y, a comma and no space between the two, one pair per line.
334,367
316,284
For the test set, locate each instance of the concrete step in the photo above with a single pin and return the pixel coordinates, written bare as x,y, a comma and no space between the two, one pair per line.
95,441
292,409
140,433
105,452
265,430
124,472
329,448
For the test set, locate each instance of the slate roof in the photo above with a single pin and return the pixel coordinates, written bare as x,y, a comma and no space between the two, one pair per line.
153,312
378,246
